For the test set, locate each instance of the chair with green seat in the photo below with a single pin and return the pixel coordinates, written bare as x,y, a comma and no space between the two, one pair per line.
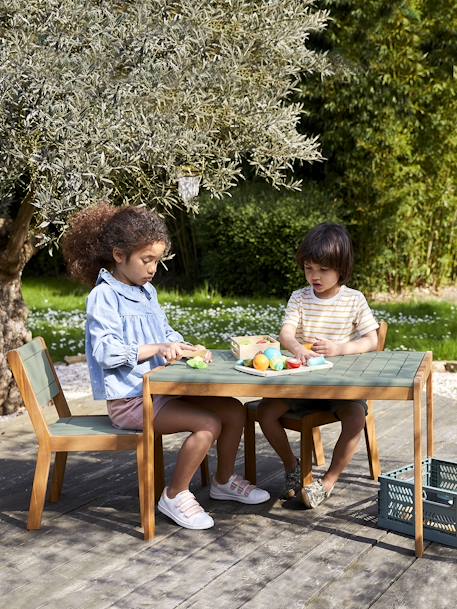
38,384
310,438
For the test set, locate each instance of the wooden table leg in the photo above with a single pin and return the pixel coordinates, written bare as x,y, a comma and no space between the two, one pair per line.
429,396
418,501
148,463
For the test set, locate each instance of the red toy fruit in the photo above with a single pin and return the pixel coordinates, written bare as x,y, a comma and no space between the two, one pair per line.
292,362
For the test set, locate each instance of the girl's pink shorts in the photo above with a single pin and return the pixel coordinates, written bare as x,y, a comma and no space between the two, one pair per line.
128,413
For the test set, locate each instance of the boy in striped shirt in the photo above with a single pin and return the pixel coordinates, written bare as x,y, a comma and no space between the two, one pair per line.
334,320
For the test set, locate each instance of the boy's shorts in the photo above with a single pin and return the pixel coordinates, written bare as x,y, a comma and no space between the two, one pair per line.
302,407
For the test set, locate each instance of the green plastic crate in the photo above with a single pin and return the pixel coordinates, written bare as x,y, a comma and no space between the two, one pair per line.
396,501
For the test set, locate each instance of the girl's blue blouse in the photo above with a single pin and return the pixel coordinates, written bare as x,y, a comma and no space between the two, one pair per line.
120,319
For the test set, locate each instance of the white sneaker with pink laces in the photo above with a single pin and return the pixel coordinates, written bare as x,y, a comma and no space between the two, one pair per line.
237,489
185,510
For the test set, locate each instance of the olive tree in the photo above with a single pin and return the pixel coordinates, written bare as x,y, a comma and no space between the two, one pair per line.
111,99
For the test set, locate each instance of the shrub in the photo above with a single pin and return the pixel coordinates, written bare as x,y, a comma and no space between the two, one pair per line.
247,243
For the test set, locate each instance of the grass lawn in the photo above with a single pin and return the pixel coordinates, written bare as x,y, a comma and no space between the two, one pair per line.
57,313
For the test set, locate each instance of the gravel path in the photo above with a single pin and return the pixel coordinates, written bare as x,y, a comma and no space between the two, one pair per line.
75,380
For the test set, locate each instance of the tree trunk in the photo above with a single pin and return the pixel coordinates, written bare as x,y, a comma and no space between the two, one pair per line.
13,333
16,249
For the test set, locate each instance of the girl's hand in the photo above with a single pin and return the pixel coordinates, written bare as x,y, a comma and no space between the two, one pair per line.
194,350
322,346
172,351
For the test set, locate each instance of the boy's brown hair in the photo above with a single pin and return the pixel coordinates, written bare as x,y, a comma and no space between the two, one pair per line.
328,245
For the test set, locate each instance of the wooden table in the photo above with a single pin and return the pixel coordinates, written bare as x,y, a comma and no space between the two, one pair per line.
386,375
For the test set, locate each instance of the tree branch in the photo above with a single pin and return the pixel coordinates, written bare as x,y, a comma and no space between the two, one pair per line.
18,232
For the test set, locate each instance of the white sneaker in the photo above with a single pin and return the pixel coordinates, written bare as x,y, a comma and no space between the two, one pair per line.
185,510
237,489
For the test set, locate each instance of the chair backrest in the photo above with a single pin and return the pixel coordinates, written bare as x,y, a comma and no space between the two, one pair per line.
38,383
382,335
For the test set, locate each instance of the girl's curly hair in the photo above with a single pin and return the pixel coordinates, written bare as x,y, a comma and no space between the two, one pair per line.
94,232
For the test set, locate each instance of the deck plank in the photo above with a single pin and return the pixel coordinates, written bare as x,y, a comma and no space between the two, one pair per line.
90,553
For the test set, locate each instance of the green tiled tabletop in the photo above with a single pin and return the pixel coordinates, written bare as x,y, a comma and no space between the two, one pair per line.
375,369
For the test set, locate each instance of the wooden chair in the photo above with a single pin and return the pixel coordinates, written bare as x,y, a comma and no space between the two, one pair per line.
38,383
310,436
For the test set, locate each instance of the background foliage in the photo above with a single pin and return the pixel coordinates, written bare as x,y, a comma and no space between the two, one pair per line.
389,136
389,133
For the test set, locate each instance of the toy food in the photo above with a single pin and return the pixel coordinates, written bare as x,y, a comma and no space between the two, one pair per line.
317,361
260,362
272,353
197,362
308,346
292,362
277,363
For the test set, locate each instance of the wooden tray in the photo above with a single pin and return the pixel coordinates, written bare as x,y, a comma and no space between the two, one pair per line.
245,347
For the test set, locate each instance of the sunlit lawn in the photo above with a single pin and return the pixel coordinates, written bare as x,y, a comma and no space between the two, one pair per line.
57,313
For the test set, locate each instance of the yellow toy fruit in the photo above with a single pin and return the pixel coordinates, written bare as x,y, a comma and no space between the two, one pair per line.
260,362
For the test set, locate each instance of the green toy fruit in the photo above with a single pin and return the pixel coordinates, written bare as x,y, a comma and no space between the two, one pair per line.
277,363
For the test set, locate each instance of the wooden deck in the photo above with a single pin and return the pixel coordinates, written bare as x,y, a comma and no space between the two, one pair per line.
90,553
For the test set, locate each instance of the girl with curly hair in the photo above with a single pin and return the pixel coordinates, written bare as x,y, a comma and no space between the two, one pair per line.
117,249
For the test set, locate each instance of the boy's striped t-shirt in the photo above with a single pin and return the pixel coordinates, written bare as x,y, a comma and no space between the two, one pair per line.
343,318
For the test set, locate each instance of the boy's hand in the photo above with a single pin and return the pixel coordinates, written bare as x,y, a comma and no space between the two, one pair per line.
322,346
303,354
